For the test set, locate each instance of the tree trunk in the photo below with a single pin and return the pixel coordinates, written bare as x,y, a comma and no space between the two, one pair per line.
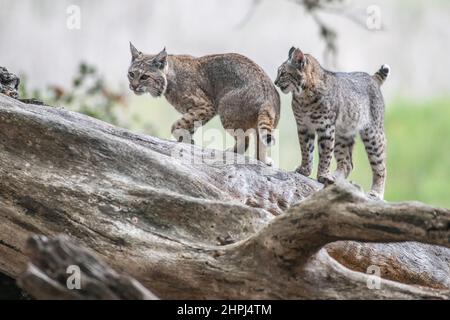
187,225
61,269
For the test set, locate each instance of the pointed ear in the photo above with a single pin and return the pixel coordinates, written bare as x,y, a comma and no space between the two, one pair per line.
290,52
160,60
296,57
134,52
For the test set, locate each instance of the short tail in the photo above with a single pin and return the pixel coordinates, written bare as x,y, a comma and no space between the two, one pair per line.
381,75
266,122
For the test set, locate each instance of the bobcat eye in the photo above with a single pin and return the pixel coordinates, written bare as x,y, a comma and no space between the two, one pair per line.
144,77
131,74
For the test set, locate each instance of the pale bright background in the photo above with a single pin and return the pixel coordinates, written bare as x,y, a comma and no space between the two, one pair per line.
415,42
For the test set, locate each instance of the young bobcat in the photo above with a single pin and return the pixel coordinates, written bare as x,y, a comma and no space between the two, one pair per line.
337,106
229,85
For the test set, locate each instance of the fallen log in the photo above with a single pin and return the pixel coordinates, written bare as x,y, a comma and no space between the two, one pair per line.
185,224
60,269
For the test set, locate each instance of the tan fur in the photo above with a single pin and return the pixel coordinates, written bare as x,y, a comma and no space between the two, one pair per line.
229,85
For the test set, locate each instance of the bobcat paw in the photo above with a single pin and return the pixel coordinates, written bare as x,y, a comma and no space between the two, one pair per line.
326,180
182,139
268,139
338,175
182,135
268,162
230,150
374,195
304,171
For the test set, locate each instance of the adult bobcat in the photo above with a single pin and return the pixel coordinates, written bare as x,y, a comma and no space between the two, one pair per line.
229,85
337,106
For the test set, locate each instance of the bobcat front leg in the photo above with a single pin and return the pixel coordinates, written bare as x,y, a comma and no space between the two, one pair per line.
197,115
306,138
326,138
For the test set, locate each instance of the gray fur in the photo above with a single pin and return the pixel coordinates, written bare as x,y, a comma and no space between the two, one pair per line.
336,106
9,83
229,85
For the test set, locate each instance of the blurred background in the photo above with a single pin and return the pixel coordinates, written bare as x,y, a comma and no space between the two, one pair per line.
75,54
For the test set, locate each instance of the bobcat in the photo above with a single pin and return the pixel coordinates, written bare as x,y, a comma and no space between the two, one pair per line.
9,83
336,106
229,85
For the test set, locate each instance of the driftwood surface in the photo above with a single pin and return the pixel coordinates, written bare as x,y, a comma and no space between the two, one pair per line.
183,224
51,274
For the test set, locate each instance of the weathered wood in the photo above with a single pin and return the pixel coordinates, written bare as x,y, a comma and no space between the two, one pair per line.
193,227
52,263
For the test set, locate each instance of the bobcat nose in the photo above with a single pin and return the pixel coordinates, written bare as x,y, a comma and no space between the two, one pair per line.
276,82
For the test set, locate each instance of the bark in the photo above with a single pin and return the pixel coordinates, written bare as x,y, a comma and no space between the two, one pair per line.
184,224
51,274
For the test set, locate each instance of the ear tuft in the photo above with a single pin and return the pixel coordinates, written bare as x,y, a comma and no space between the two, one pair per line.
291,51
160,60
134,52
296,57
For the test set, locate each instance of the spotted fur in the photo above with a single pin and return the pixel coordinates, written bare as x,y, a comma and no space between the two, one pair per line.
335,107
9,83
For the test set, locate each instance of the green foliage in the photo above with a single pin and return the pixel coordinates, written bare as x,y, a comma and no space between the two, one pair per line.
88,94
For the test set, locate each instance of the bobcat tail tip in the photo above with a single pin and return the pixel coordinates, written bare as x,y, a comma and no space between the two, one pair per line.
386,69
382,74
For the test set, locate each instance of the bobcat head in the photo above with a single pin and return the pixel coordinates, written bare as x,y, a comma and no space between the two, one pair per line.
148,73
293,74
